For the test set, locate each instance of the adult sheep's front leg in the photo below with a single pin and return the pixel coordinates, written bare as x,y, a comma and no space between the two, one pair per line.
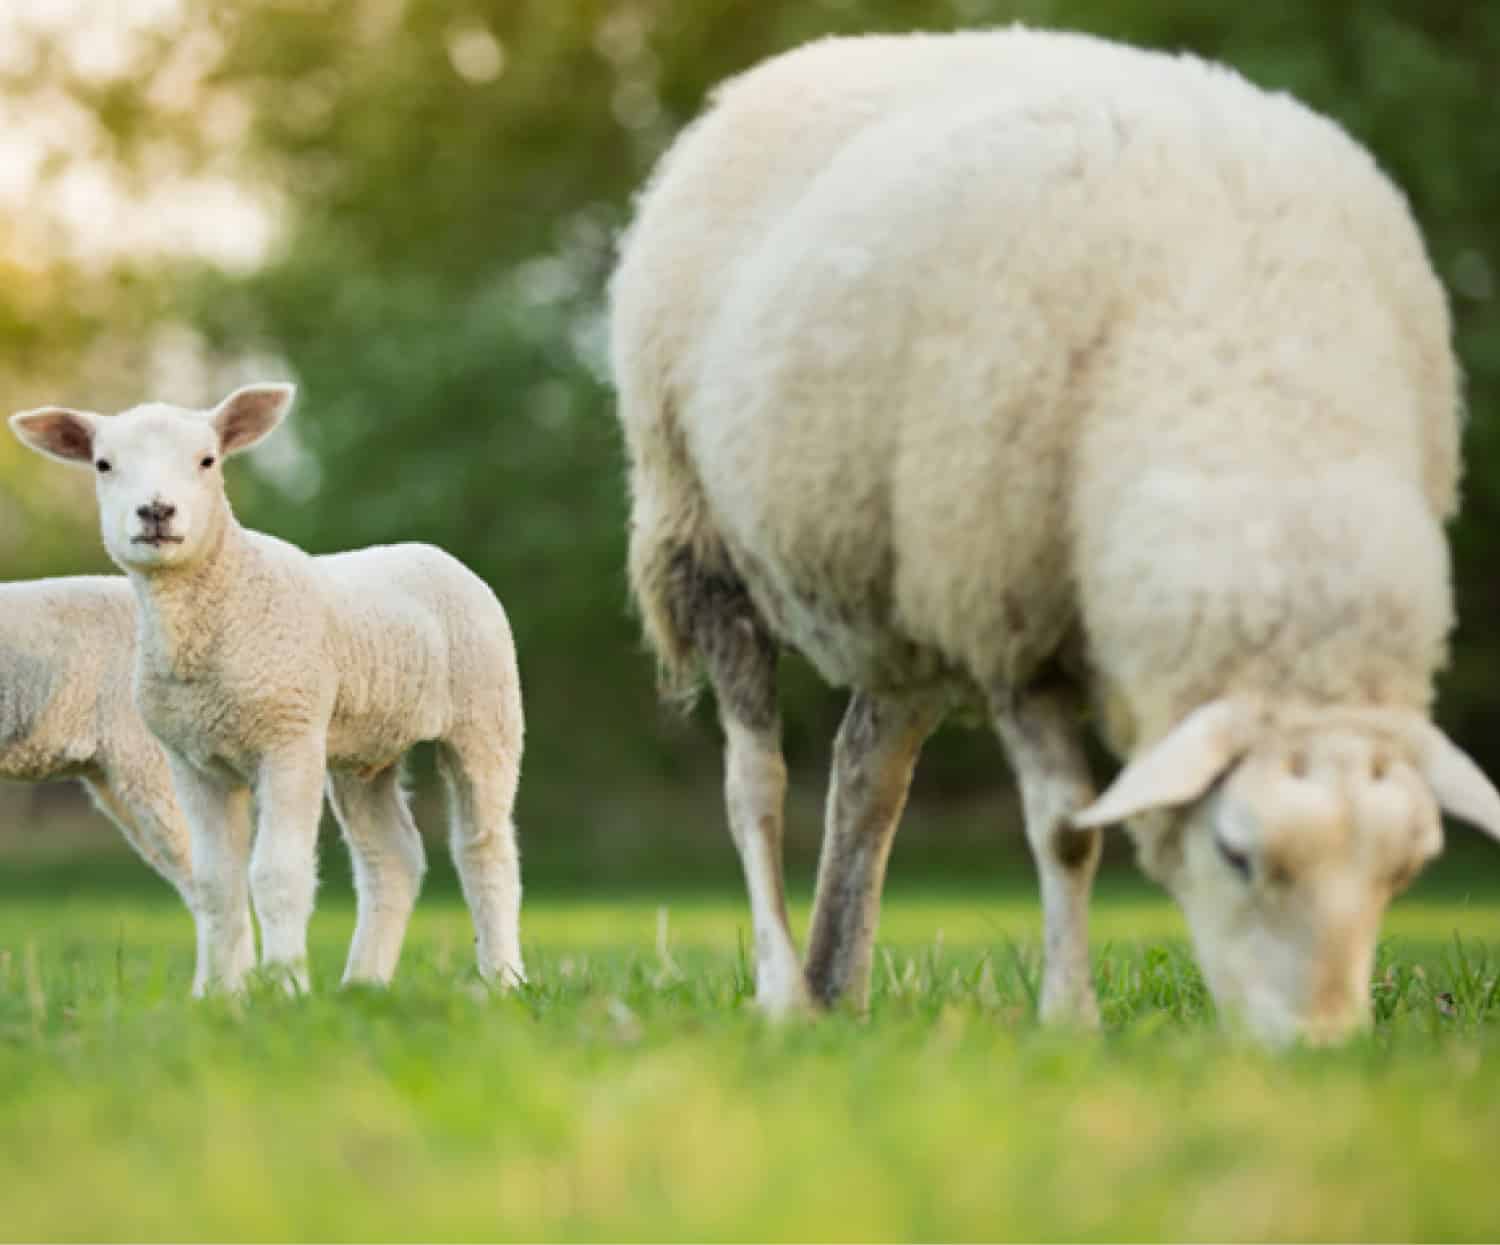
1047,755
873,759
283,869
218,818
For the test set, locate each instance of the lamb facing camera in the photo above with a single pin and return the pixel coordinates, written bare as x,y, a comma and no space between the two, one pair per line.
265,672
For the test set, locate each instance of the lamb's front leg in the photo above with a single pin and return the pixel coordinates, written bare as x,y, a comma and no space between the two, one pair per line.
284,867
218,818
1042,738
386,849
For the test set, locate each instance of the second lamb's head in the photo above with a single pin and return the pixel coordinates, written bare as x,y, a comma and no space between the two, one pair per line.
158,468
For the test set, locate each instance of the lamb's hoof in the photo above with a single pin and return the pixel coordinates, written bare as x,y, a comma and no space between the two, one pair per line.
504,977
291,978
220,987
364,981
242,964
238,966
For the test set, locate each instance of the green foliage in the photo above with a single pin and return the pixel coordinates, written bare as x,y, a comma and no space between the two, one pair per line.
632,1093
453,174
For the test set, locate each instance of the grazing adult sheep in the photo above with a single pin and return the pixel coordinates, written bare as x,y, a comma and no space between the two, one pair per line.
67,651
262,670
1025,368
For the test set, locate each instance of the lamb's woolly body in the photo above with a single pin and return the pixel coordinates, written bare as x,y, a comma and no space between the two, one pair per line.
67,651
261,666
946,345
247,651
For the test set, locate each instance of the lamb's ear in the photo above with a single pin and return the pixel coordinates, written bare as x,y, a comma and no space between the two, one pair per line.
1459,785
1178,768
57,432
249,415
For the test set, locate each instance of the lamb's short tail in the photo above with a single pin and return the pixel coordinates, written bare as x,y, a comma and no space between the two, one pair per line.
674,546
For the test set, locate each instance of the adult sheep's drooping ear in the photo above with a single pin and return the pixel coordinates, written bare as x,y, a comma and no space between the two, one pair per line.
1459,785
1178,768
249,415
57,432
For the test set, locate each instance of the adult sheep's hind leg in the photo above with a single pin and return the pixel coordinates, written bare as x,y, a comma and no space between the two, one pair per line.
482,784
1042,740
388,865
740,657
873,759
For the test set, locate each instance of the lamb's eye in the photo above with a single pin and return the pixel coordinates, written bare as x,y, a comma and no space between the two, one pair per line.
207,462
103,465
1236,860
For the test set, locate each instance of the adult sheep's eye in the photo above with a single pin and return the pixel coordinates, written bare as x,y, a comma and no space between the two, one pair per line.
207,462
1236,860
103,465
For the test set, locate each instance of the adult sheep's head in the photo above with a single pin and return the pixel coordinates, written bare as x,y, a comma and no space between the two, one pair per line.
157,468
1283,836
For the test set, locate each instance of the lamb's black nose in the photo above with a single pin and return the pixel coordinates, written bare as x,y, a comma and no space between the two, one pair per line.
156,512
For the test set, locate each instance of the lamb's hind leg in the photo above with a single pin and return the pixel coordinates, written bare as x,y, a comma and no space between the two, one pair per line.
740,657
388,865
1042,739
482,781
873,759
158,834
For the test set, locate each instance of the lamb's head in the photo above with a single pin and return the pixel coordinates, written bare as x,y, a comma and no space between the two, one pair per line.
157,468
1283,836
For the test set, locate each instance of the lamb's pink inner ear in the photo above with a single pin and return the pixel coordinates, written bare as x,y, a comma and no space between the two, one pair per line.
57,432
249,415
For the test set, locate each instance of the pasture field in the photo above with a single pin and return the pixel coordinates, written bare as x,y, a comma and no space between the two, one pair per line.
633,1093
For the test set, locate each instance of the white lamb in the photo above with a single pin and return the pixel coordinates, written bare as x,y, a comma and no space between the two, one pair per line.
1020,368
67,650
262,669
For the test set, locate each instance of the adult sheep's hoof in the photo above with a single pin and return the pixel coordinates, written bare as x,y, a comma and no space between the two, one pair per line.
780,991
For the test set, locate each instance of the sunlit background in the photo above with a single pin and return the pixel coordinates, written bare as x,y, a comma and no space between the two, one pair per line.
410,208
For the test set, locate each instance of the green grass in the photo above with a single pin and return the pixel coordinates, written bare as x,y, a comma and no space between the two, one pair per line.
632,1092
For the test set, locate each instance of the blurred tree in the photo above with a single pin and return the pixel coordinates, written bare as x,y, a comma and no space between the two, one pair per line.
449,177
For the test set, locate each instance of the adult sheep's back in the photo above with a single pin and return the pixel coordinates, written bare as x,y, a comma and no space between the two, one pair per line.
870,296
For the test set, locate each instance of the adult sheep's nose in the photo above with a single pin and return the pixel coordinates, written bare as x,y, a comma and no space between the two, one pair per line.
156,512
